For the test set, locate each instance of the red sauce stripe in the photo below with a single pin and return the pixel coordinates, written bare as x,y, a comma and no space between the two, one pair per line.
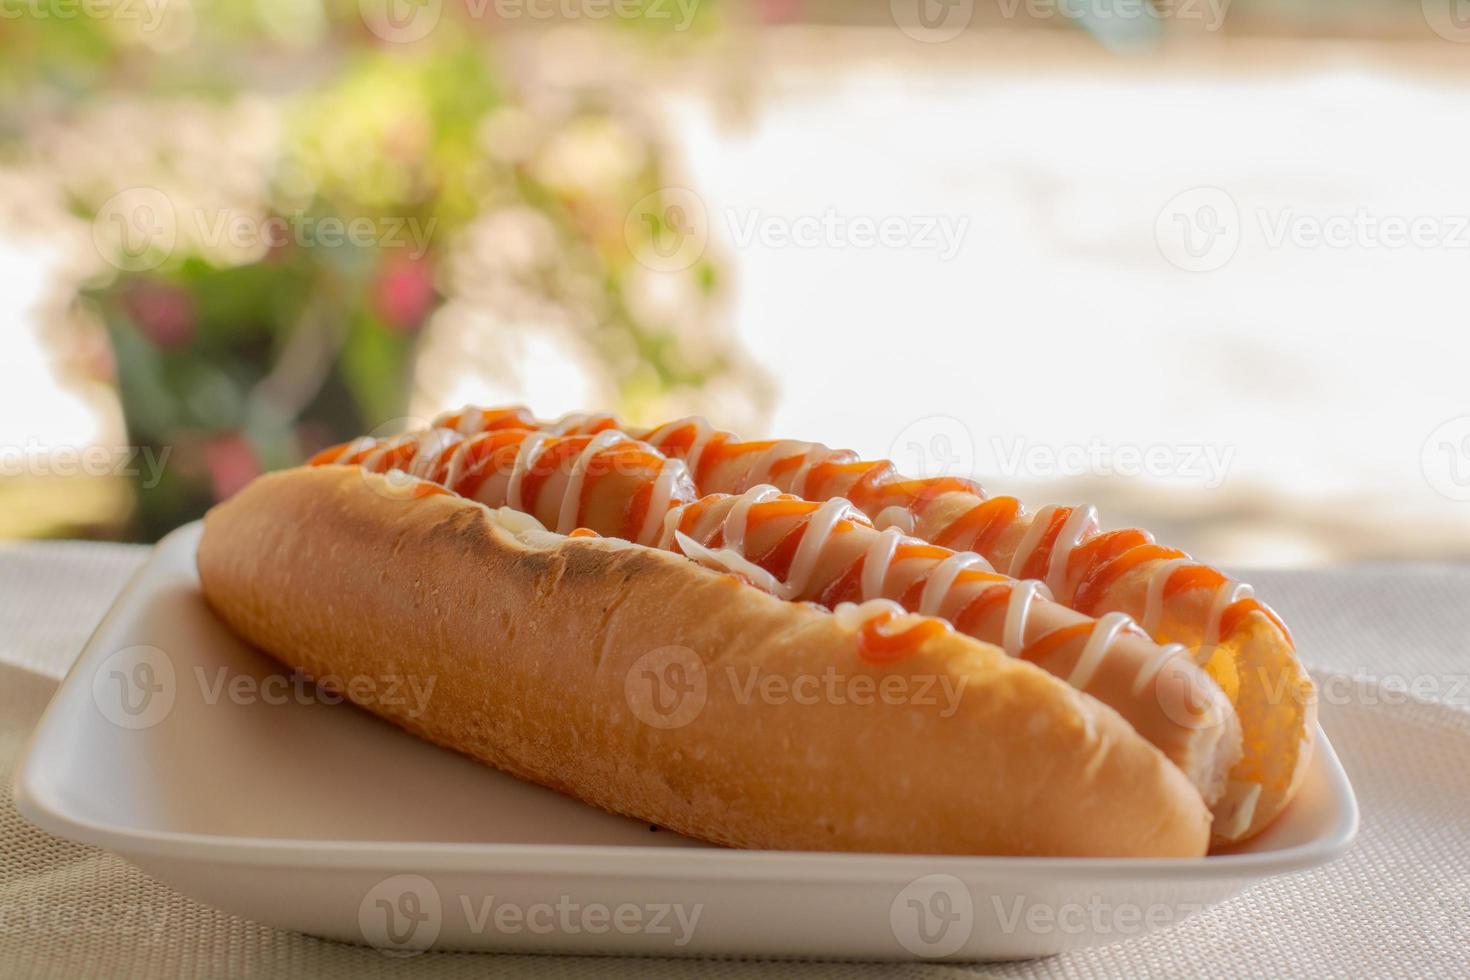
879,646
1037,563
983,605
1090,591
977,528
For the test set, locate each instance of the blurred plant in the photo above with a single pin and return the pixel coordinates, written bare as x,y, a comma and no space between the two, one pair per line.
276,199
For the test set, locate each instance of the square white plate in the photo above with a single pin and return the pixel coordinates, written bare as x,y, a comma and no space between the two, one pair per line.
182,749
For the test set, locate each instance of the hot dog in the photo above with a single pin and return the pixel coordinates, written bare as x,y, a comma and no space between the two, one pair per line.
1239,640
537,611
827,553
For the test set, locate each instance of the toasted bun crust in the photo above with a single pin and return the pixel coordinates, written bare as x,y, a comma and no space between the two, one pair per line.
544,651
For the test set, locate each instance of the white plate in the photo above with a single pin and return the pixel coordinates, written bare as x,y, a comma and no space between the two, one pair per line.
265,801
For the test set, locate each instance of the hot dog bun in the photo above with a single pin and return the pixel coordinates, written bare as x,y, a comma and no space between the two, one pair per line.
537,643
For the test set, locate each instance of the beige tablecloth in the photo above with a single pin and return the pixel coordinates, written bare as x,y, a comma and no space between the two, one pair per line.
1397,905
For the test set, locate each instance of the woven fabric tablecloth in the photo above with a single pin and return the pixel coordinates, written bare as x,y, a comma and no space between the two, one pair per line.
1389,644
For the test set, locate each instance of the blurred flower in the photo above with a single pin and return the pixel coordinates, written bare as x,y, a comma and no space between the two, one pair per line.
201,224
231,463
163,312
593,157
778,11
510,134
403,293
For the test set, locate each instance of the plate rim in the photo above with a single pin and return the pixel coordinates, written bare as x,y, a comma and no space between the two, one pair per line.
613,860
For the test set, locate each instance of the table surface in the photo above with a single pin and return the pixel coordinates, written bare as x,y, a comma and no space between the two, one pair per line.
1389,645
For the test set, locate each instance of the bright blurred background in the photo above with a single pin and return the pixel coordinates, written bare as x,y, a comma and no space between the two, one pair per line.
1201,262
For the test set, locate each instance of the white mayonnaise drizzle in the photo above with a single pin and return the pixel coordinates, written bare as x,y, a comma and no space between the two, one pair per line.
878,561
1018,607
760,471
670,475
895,516
1153,607
1228,592
525,459
471,421
817,531
730,560
1151,669
358,445
703,433
568,422
1031,539
937,586
430,445
854,615
734,526
1080,525
454,466
1108,627
373,461
819,527
571,501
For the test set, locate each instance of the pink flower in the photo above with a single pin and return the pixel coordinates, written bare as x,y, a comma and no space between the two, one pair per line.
403,293
778,11
231,463
164,313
